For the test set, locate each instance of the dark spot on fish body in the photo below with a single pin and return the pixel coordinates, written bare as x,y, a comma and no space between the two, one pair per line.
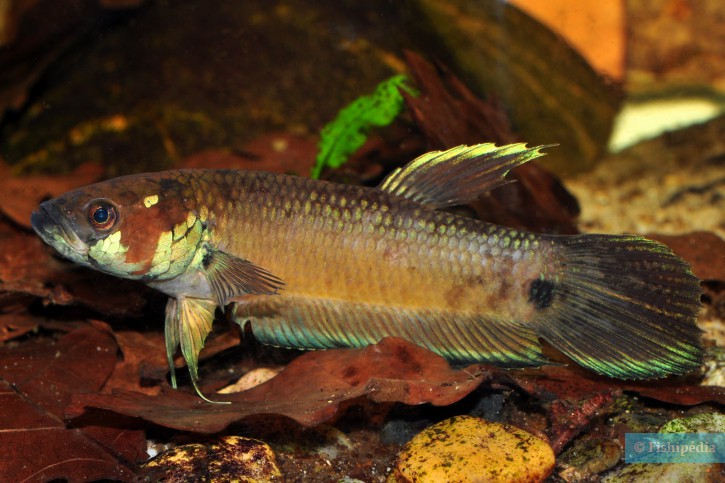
471,290
206,260
541,293
505,289
454,296
170,184
322,197
475,281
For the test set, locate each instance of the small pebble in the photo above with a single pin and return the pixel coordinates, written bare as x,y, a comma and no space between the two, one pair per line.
586,459
700,423
468,449
661,473
231,458
251,379
658,473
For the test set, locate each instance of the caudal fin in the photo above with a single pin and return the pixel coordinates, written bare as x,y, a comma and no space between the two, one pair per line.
623,306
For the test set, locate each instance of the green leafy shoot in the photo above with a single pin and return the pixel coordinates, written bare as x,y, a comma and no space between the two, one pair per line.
349,131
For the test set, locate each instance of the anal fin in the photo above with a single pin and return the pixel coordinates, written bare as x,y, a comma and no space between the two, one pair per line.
308,323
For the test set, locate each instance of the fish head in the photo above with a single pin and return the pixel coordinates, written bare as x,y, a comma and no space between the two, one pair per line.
137,227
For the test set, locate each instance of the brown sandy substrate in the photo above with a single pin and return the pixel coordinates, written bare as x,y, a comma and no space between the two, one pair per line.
659,186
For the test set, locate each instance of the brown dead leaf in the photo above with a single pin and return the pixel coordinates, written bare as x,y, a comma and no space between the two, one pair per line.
138,350
19,196
703,250
144,358
574,383
16,325
38,447
309,390
38,378
448,113
576,396
568,420
29,269
13,325
274,152
78,362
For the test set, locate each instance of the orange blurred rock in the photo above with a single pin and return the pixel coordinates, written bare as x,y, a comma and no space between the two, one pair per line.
595,28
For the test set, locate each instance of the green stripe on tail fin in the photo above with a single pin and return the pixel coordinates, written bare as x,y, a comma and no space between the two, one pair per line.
623,306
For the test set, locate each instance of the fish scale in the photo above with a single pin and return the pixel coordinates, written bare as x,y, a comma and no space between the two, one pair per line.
294,227
315,265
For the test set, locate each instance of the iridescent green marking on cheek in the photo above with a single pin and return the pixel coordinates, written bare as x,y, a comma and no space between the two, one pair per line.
110,254
176,248
179,231
112,244
108,248
162,256
164,243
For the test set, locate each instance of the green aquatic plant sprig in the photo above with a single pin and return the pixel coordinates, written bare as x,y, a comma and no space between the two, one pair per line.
349,130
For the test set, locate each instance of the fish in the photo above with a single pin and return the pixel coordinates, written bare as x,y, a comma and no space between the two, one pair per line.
311,264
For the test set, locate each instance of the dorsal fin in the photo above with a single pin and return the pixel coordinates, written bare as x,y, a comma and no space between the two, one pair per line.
458,175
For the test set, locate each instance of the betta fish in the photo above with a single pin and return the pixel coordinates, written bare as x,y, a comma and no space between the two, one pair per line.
313,265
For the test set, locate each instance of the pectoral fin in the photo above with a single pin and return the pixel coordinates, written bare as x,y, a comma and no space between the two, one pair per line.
171,336
232,276
188,323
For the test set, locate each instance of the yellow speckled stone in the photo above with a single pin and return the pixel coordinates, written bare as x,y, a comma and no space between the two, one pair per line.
469,449
232,458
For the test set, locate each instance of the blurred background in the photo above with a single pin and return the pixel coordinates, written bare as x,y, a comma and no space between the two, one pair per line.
133,85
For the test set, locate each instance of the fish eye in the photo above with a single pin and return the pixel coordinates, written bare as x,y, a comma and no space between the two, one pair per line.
102,215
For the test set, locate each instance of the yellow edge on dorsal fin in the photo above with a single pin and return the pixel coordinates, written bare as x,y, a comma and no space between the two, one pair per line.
446,178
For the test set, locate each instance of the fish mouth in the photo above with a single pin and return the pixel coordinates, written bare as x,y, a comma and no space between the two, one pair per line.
52,228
